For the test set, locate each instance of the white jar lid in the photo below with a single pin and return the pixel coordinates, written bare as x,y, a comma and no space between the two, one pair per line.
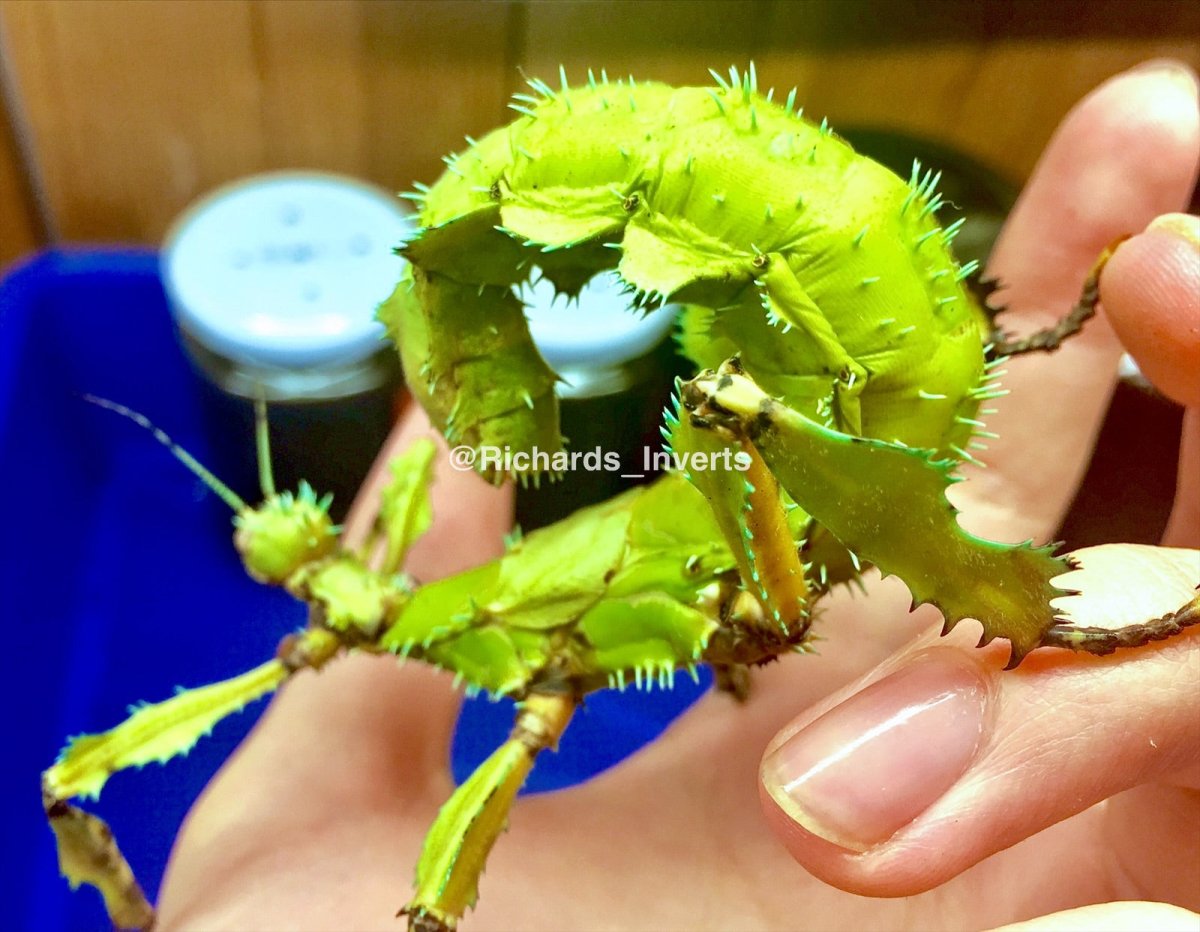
601,330
286,269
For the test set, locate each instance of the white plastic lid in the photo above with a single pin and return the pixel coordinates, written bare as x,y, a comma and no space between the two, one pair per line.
601,330
286,269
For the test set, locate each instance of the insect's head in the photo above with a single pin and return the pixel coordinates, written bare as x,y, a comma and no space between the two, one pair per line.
279,536
284,533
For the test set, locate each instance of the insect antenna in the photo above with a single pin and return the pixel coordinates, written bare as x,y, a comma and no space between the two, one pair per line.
226,494
262,443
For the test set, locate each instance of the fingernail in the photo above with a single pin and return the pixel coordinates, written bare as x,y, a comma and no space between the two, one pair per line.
1175,70
1185,226
871,765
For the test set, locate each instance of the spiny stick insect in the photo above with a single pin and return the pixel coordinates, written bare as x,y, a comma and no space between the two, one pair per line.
844,359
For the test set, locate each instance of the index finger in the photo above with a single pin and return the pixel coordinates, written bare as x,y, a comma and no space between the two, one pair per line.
1126,153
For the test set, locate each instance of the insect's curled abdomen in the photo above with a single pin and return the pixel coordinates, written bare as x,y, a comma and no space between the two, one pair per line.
710,196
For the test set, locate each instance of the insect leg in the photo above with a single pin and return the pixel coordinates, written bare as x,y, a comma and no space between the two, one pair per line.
1051,338
1101,641
732,678
745,499
789,306
87,852
886,503
467,826
470,361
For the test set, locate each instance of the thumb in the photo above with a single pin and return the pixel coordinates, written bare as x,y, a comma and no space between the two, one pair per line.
1149,290
943,759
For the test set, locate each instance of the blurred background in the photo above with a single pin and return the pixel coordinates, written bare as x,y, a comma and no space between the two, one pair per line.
116,115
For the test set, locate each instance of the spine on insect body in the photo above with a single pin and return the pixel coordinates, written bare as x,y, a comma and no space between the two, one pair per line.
830,274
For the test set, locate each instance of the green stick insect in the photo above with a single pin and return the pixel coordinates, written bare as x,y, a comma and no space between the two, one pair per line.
844,361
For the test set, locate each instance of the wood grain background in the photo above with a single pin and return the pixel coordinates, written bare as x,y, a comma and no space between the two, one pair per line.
120,113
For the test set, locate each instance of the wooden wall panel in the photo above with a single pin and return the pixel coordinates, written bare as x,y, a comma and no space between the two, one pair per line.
435,71
1020,91
20,227
135,107
314,88
675,41
986,83
138,108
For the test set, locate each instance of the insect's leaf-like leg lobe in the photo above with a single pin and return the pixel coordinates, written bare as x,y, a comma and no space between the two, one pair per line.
887,503
87,851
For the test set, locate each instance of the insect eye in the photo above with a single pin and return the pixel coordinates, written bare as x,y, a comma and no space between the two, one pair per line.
760,261
494,191
630,204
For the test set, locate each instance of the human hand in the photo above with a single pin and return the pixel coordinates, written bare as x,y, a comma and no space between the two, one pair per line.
317,822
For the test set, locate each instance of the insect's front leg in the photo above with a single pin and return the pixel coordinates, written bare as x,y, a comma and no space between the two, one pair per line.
789,307
1093,640
87,851
773,611
467,826
1052,337
887,502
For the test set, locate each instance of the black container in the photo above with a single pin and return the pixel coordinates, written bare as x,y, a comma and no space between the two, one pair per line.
618,370
274,282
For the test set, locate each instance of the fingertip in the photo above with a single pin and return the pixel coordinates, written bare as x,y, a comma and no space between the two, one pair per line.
1126,152
1150,291
840,790
1123,916
1147,116
944,760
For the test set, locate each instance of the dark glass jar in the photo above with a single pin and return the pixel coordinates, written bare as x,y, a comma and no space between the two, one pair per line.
618,368
274,282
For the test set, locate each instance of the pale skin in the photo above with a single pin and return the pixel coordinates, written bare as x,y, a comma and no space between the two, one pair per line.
317,821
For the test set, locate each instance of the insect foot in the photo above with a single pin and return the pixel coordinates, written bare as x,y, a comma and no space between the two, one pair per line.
727,401
88,853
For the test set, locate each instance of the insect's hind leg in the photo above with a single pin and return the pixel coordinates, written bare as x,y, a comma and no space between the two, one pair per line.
1051,338
467,826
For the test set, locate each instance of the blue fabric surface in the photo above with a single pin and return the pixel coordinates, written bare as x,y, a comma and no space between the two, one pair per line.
121,583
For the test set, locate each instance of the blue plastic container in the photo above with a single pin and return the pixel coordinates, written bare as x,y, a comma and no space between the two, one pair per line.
120,581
